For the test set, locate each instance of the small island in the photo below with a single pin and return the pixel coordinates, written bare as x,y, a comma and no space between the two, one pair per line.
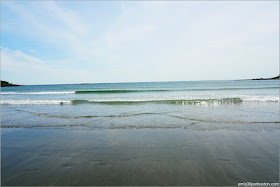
273,78
6,84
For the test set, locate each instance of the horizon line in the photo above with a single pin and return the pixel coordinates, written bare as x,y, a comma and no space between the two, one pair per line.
85,83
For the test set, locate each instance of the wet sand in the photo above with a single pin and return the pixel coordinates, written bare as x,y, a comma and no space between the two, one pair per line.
42,157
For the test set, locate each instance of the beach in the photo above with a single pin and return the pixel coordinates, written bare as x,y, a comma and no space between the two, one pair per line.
204,133
138,157
140,93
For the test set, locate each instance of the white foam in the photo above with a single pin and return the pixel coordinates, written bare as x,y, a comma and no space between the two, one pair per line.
34,102
205,103
35,93
260,99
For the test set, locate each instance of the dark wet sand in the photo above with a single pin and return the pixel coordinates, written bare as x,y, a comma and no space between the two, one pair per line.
138,157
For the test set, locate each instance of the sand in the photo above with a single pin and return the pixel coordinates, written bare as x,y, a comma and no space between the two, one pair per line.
138,157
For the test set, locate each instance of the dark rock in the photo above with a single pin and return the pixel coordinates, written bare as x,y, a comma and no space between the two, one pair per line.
6,84
273,78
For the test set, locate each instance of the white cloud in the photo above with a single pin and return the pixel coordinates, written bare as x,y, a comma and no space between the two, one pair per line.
17,61
146,41
68,17
130,34
34,70
50,23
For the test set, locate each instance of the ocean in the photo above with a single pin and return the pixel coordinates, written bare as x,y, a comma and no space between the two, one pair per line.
249,105
179,133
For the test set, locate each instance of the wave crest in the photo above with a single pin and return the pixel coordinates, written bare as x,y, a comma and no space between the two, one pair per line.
180,102
216,101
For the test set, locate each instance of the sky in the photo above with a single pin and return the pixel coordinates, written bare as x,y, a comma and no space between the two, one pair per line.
64,42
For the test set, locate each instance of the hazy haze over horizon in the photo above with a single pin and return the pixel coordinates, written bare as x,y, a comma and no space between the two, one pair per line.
93,42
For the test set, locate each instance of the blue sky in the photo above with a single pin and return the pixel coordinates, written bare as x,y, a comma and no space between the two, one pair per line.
56,42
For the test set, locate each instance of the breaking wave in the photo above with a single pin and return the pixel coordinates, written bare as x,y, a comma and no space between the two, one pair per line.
35,102
130,91
164,90
216,101
180,102
35,93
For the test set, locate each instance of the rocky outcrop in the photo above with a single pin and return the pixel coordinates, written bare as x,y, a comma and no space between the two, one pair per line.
273,78
6,84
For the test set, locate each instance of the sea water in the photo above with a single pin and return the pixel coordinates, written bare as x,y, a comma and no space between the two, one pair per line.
209,133
243,105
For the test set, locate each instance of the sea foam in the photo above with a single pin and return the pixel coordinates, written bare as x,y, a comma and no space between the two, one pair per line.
35,93
210,101
35,102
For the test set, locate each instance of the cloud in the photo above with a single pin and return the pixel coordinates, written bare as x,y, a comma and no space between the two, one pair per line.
142,41
58,26
68,17
35,71
130,34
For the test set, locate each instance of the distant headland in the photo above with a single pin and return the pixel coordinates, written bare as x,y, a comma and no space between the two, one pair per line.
273,78
6,84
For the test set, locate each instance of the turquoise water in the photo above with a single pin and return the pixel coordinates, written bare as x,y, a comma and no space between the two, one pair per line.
226,105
